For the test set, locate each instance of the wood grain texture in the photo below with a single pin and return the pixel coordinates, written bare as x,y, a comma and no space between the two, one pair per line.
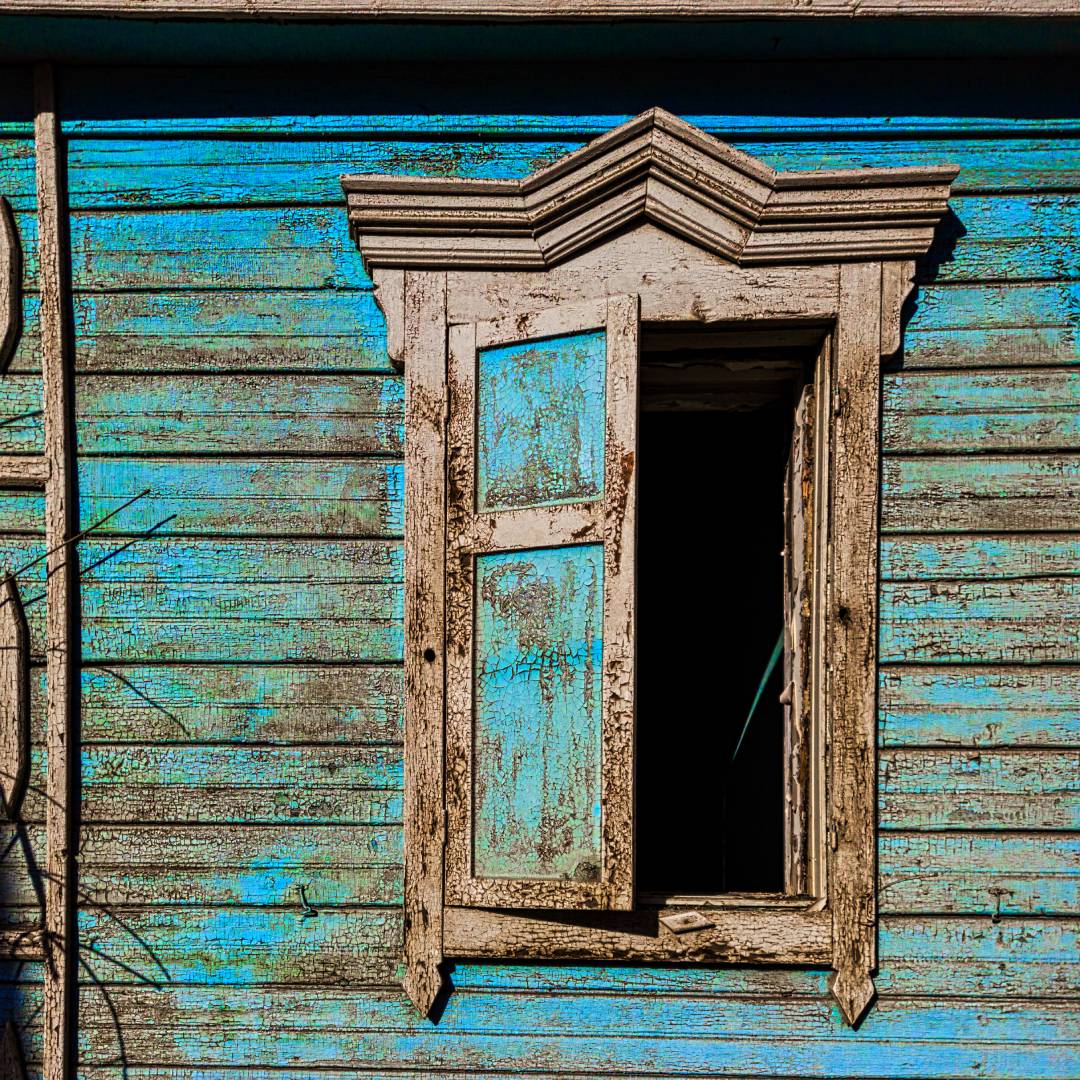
424,337
24,472
997,493
60,587
317,414
1004,874
1006,237
270,497
257,865
242,946
980,789
977,412
10,285
14,697
548,9
258,168
243,704
719,1037
1007,622
850,622
756,937
983,557
979,707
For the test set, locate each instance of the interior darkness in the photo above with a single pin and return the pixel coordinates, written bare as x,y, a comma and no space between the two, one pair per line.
710,609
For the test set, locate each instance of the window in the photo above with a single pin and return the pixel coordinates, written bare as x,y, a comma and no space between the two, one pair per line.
562,566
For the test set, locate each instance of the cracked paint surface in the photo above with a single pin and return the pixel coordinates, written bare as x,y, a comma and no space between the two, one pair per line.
538,713
540,424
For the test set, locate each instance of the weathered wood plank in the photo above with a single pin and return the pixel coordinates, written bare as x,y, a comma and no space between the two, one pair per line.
215,330
922,957
22,857
243,704
525,1035
1006,874
61,582
195,414
241,600
953,326
132,172
241,865
996,306
981,789
969,706
22,428
314,793
241,946
17,169
207,248
236,497
995,347
562,1011
314,796
975,957
578,126
22,513
312,784
982,557
1006,237
125,173
979,412
1008,622
723,1030
999,493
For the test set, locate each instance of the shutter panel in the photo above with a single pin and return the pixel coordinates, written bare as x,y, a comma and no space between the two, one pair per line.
542,447
798,564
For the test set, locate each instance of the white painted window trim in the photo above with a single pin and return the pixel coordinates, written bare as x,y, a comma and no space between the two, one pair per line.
698,232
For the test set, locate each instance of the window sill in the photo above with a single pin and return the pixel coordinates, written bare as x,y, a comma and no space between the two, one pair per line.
759,934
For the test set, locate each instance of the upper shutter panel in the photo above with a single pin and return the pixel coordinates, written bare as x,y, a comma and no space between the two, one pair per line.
540,608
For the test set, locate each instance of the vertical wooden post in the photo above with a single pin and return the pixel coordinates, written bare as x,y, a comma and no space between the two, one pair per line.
61,670
852,639
425,557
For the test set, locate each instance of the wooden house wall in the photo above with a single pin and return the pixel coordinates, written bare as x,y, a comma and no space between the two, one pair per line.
241,706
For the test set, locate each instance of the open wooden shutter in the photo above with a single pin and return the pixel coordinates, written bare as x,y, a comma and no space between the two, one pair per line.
542,447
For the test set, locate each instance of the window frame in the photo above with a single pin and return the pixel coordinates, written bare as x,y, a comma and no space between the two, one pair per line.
699,233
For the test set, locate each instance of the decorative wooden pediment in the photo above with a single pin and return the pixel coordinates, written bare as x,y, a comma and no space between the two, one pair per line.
654,168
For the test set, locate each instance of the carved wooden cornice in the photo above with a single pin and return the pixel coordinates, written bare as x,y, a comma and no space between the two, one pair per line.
654,168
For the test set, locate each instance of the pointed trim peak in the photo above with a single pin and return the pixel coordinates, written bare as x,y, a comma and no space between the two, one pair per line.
658,168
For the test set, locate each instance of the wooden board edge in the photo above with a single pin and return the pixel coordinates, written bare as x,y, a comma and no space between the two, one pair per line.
425,547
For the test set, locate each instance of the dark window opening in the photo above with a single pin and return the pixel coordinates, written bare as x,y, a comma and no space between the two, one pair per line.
714,438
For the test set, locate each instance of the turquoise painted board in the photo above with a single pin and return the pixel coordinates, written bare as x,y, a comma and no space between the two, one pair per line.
536,771
541,422
242,686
